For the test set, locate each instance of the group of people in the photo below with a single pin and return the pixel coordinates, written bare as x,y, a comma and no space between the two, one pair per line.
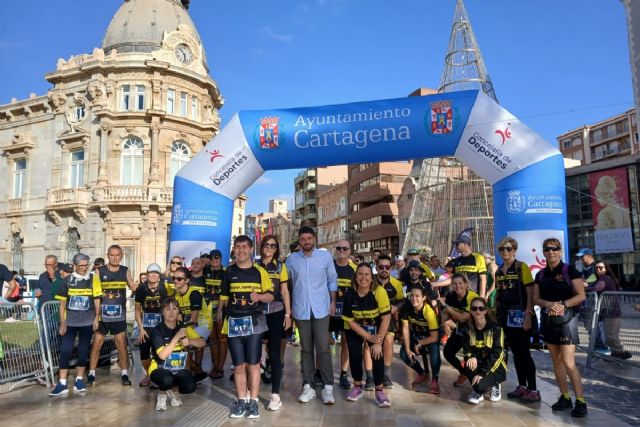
251,307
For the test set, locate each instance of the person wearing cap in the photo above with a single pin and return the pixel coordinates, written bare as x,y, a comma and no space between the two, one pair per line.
472,264
414,255
149,296
398,267
314,287
206,259
590,278
214,278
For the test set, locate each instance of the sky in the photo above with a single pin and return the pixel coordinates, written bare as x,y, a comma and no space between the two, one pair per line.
554,64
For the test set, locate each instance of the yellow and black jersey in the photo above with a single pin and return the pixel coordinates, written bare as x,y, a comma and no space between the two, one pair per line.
473,266
279,275
150,300
238,285
511,286
198,283
487,346
460,305
114,289
394,289
426,273
161,336
421,323
213,282
190,301
79,294
345,273
368,310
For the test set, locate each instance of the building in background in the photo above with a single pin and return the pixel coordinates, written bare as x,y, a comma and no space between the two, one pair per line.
333,215
279,206
374,189
306,187
616,136
92,162
237,227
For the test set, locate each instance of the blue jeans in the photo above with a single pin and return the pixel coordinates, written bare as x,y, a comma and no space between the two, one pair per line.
432,350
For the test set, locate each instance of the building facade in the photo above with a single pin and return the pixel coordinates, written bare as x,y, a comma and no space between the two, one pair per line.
616,136
92,162
306,186
333,216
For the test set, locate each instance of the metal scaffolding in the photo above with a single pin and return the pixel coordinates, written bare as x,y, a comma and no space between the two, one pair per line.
449,196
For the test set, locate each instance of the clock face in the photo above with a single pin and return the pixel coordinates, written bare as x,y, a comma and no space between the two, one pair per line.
183,53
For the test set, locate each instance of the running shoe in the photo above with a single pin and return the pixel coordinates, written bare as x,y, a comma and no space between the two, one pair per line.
215,374
344,382
327,395
307,394
59,390
275,403
518,392
125,380
355,394
475,398
624,355
91,380
252,409
532,396
161,403
79,386
603,351
496,393
238,409
386,382
420,379
562,404
368,385
174,398
580,410
145,381
435,387
266,375
382,399
460,381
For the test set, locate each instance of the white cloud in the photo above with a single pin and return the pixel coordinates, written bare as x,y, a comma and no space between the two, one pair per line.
269,32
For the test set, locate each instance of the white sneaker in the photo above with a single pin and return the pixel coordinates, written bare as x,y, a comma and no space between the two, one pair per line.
327,395
161,404
496,394
275,403
174,398
475,398
307,394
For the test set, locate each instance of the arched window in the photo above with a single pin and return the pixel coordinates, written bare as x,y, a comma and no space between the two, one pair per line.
132,162
180,156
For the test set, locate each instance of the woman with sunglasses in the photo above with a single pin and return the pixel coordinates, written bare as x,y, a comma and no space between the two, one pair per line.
278,314
610,313
514,309
559,288
366,309
174,264
484,354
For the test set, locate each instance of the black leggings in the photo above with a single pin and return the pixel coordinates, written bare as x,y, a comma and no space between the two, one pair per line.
145,346
519,340
454,344
355,343
166,380
489,380
275,323
68,340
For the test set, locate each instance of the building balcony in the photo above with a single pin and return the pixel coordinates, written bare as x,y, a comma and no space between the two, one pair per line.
378,232
310,215
15,206
62,197
376,192
311,201
378,209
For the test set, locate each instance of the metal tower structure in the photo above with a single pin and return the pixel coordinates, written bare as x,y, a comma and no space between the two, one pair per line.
449,196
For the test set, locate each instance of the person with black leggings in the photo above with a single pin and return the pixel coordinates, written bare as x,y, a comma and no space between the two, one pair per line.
514,309
366,309
79,298
170,341
278,313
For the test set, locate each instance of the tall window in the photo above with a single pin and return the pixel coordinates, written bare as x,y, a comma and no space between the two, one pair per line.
76,173
79,113
139,98
194,108
16,251
19,178
179,157
126,95
171,101
183,104
72,242
132,162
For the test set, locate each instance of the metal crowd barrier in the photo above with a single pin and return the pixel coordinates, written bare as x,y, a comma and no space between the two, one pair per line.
22,357
587,320
617,320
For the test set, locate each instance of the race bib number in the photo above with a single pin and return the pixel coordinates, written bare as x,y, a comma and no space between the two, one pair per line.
339,307
79,303
371,329
240,326
515,318
111,311
176,361
150,320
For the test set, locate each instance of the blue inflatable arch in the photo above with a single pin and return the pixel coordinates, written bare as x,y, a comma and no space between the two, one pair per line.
527,173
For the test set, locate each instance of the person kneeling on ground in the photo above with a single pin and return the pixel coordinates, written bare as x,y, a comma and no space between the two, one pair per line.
484,354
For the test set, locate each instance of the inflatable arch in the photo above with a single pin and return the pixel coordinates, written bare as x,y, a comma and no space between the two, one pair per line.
527,173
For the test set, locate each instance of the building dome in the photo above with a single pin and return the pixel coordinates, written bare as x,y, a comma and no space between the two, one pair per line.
139,24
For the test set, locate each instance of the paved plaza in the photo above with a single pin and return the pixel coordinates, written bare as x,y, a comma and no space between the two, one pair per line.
610,397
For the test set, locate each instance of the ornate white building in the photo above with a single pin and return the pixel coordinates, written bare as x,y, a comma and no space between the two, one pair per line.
91,163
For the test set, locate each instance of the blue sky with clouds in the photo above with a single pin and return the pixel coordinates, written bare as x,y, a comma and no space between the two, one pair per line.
556,64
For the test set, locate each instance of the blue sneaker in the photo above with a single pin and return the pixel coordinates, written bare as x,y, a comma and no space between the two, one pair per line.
238,409
79,386
60,390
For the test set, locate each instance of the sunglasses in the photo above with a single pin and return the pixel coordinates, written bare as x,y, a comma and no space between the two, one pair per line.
478,308
342,248
551,248
271,245
176,262
179,279
384,267
601,267
505,249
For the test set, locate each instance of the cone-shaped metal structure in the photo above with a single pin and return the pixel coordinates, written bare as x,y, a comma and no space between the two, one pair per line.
449,196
